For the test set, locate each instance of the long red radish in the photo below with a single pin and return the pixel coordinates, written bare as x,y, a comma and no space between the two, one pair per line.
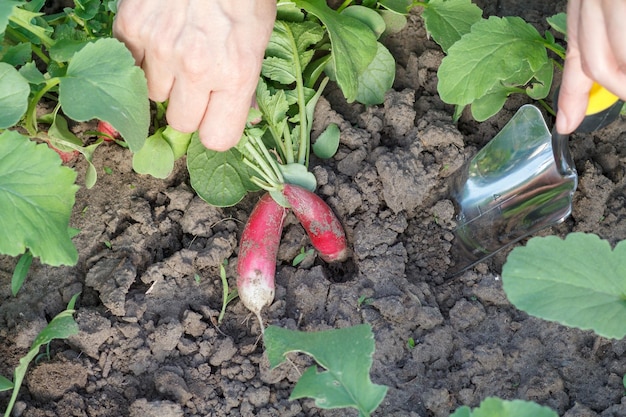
110,133
319,221
257,255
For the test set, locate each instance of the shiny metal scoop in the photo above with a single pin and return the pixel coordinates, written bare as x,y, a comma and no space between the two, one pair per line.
518,184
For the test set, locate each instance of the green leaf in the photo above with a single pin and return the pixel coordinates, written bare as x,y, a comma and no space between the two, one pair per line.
394,22
497,53
103,82
368,16
488,105
36,200
578,282
86,9
64,49
20,272
5,384
327,142
63,139
448,20
496,407
298,174
377,78
288,53
346,356
6,10
558,22
353,44
155,158
32,74
539,87
14,91
397,6
220,178
178,141
17,55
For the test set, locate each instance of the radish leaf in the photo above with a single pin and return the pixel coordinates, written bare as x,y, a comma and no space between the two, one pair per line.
14,91
368,16
20,272
220,178
558,22
496,407
377,78
156,157
448,20
327,142
552,279
353,44
36,200
346,356
498,55
5,384
103,82
6,9
288,53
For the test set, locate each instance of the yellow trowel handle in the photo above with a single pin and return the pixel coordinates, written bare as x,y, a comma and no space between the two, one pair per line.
603,108
600,99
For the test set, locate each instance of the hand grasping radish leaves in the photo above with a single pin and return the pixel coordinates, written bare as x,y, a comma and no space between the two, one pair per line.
304,53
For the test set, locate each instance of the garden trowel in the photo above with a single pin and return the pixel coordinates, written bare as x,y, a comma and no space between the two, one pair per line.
522,181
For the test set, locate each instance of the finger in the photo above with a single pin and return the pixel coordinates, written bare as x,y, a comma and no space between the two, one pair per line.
159,76
573,96
225,119
123,33
616,33
188,104
575,85
597,53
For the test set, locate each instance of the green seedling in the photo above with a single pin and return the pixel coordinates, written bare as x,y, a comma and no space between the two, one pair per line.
60,327
410,343
297,260
227,294
496,407
363,301
346,356
553,279
494,58
20,272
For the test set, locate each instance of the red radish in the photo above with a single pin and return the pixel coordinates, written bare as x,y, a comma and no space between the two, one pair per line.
319,221
257,254
66,156
110,133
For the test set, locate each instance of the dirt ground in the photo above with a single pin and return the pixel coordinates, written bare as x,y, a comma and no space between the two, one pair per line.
149,249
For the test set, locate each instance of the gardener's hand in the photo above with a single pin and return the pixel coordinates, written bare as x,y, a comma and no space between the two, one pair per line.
596,50
203,55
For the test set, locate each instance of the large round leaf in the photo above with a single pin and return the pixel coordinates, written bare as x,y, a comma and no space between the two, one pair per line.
36,201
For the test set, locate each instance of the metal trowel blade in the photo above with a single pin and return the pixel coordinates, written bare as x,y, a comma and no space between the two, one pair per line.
509,190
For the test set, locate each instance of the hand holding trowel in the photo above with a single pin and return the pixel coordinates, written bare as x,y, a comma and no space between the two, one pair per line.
522,181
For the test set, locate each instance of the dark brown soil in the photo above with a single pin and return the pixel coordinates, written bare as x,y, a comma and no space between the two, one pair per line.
149,343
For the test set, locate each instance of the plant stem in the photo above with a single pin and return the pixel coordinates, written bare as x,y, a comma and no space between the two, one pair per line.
302,148
31,112
345,4
557,49
34,29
